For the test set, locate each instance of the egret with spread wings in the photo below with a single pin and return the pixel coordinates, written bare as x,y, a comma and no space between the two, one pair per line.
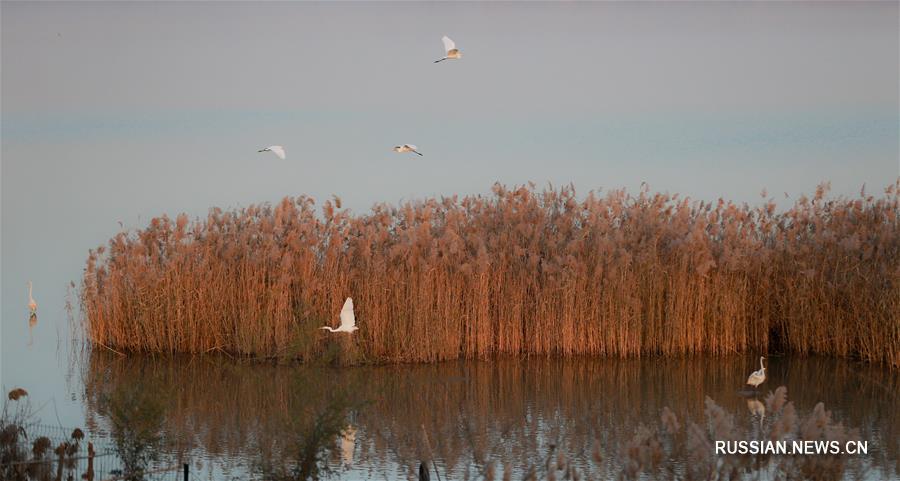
453,53
275,149
348,320
407,148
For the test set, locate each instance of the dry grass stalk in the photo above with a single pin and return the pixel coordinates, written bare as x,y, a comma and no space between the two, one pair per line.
520,272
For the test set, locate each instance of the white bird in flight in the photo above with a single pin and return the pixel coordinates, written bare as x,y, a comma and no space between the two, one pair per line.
348,321
275,149
758,377
407,148
452,52
32,304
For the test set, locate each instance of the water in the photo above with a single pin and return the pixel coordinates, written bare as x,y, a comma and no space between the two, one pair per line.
228,417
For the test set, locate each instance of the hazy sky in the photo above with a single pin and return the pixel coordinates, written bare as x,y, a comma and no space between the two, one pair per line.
122,111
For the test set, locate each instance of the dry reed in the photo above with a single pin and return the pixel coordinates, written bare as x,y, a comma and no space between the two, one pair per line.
519,272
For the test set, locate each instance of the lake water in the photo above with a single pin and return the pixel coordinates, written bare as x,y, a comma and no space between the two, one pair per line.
228,417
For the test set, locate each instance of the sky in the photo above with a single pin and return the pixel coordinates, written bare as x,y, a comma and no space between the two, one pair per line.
120,111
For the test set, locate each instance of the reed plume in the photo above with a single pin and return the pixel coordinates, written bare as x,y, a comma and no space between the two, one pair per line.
516,272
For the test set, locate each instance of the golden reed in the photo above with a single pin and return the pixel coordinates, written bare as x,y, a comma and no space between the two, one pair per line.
518,272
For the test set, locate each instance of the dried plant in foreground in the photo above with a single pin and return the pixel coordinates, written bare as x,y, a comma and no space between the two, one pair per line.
695,444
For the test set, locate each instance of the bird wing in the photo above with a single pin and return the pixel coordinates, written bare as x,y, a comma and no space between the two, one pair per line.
410,146
278,150
448,44
347,318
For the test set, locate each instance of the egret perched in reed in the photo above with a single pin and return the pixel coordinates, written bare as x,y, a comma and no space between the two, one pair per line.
275,149
452,52
407,148
758,377
32,304
348,321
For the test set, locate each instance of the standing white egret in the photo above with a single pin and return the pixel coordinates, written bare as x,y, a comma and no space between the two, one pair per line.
453,53
32,304
407,148
758,377
348,320
275,149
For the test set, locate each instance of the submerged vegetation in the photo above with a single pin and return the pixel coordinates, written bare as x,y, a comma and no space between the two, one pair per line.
519,272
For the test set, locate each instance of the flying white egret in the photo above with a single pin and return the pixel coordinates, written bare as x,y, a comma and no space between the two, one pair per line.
758,377
452,51
348,321
32,304
407,148
275,149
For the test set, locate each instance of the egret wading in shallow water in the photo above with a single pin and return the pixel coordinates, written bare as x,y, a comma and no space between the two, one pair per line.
275,149
348,321
407,148
758,377
453,53
32,304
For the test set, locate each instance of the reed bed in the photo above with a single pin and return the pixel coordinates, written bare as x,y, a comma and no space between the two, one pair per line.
517,272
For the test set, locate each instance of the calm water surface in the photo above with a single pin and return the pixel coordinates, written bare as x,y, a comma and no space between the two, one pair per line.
226,416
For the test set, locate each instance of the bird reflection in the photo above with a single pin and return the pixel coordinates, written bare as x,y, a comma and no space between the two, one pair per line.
756,408
348,444
32,321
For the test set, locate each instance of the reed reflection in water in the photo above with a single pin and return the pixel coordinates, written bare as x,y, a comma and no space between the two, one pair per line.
229,413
